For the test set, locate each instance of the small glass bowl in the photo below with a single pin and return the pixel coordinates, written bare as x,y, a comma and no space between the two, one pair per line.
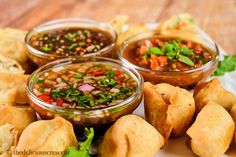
40,58
186,79
86,117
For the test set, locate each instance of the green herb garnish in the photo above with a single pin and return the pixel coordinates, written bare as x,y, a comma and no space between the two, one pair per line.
82,43
36,80
56,94
79,75
110,73
70,36
41,89
227,65
83,151
185,60
108,81
155,51
186,51
46,48
73,46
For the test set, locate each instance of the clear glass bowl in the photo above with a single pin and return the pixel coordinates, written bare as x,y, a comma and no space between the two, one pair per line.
185,79
40,58
88,117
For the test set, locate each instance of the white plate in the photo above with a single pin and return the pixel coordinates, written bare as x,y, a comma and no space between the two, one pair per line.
176,147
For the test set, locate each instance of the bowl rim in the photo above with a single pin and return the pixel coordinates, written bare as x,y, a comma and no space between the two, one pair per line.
155,33
39,53
138,78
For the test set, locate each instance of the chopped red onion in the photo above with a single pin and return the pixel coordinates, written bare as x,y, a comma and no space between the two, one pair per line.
86,87
115,90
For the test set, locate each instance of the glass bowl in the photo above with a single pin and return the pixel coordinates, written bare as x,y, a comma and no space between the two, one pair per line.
40,58
86,117
186,78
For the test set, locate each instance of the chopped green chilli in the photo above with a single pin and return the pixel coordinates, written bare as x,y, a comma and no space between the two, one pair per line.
84,85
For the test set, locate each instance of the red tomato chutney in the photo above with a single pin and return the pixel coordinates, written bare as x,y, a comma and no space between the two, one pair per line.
167,54
84,85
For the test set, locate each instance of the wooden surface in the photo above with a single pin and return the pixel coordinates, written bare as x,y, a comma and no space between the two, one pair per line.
216,17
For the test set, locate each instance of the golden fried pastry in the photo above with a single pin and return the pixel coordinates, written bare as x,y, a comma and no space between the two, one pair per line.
10,83
10,65
47,135
212,131
178,22
168,108
130,136
125,30
18,116
213,91
12,45
8,139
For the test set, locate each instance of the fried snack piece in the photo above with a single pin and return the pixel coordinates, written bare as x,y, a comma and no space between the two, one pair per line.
125,29
212,131
10,65
168,108
13,88
12,45
213,91
130,136
182,21
18,116
8,139
47,135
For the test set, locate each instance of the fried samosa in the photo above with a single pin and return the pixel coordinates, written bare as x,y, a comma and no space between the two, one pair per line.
10,65
12,46
47,135
212,131
13,88
18,116
168,108
213,91
8,139
130,136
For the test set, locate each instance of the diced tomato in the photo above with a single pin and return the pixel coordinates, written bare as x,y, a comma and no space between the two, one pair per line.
154,65
118,72
162,60
97,73
119,82
189,44
142,50
198,49
59,102
45,97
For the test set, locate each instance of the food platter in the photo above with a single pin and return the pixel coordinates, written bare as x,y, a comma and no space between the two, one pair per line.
138,89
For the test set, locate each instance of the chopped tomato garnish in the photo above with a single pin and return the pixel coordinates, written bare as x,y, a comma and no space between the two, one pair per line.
198,49
59,102
118,72
45,97
97,73
154,62
162,60
142,50
119,82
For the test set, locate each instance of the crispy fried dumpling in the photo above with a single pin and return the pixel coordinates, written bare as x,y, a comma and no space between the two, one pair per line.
168,108
47,135
18,116
212,131
8,139
213,91
10,65
12,46
13,88
130,136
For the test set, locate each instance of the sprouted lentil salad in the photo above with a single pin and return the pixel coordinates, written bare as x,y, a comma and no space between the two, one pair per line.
84,86
163,54
71,41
